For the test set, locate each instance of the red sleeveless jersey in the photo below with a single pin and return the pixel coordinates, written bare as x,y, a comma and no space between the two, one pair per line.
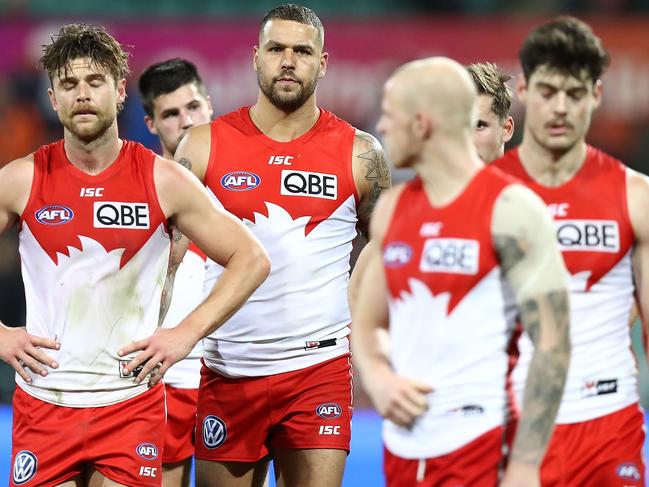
595,236
94,253
450,314
299,199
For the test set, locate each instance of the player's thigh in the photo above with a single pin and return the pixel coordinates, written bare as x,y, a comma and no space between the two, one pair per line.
96,479
177,474
74,482
232,474
312,467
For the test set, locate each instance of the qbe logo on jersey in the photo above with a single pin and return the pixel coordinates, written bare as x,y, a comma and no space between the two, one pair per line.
312,184
450,255
214,432
588,235
117,214
25,466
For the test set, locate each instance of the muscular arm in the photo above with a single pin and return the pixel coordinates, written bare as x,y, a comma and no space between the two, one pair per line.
638,202
526,244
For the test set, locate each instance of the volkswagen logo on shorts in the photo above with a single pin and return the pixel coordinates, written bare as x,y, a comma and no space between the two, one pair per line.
329,410
214,432
54,215
148,451
240,181
25,465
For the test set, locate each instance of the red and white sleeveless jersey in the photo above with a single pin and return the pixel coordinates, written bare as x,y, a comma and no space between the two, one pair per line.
451,315
299,199
596,239
187,295
94,252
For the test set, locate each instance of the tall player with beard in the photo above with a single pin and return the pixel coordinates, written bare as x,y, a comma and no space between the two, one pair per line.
175,100
458,250
599,206
277,378
94,213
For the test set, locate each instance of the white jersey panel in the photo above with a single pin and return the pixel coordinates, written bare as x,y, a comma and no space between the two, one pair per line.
463,357
602,377
187,295
303,302
93,308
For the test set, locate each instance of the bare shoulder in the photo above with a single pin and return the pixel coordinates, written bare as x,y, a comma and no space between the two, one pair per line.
518,209
637,196
16,176
193,152
384,210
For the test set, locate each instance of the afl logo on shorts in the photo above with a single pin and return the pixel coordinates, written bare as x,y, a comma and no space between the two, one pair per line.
25,466
214,432
54,215
240,181
148,451
397,254
628,471
329,410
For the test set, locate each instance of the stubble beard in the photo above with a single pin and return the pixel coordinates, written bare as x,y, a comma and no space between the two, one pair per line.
287,102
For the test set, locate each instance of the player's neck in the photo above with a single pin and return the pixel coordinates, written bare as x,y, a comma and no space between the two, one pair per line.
282,126
447,169
95,156
551,168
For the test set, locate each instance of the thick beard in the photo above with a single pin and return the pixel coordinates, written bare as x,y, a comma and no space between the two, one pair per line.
286,102
87,136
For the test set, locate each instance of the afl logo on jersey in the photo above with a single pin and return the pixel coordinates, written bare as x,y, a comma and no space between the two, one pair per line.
329,410
240,181
397,254
214,432
25,466
54,215
148,451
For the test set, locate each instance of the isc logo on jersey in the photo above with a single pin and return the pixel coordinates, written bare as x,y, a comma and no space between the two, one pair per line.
588,235
240,181
450,255
397,254
25,466
118,214
214,432
312,184
329,410
54,215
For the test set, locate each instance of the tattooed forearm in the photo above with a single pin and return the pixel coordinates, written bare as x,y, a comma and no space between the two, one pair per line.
376,173
546,321
177,235
167,290
183,161
510,250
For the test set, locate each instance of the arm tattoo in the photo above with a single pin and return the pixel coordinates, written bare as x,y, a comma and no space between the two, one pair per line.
167,290
546,377
377,174
183,161
509,250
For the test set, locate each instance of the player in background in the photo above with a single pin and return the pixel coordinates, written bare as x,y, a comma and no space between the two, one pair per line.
94,213
174,100
277,381
599,207
458,250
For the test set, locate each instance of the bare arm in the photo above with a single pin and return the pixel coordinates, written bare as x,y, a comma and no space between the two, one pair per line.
226,241
638,202
397,398
525,240
17,347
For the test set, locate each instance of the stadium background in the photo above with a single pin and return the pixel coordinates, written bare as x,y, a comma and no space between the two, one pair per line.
366,41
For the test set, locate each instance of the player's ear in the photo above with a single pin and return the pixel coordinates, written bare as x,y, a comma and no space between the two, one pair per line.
598,89
508,128
324,59
255,56
149,124
521,88
52,96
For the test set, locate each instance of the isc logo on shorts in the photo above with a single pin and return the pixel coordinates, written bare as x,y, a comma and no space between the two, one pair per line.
329,410
214,432
397,254
628,471
312,184
148,451
54,215
588,235
451,255
116,214
25,466
240,181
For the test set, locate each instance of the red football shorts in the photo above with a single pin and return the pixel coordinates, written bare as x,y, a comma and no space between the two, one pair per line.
181,421
241,420
476,464
123,441
603,452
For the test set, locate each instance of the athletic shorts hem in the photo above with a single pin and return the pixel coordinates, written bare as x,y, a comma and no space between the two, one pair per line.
126,482
232,459
166,461
319,446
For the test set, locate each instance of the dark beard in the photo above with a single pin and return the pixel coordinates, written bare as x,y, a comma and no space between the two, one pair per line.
289,102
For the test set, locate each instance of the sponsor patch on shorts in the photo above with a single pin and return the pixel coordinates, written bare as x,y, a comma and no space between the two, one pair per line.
214,432
25,467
